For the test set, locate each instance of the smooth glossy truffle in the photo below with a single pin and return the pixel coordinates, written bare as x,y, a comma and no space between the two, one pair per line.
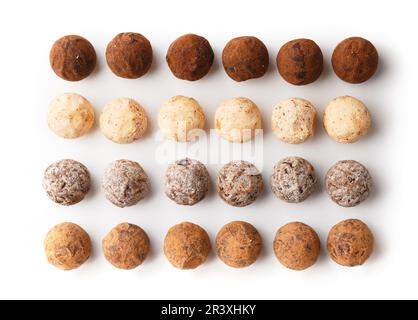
238,120
125,183
238,244
67,246
350,243
186,245
186,181
190,57
123,121
293,179
300,61
348,183
129,55
245,58
355,60
181,119
126,246
294,120
66,182
347,119
296,246
72,58
239,183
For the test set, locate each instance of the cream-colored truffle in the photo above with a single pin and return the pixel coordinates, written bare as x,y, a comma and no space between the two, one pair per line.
181,118
237,120
123,120
294,120
346,119
70,116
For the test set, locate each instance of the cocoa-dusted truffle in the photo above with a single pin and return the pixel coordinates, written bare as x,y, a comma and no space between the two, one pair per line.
245,58
296,246
67,246
238,244
190,57
187,245
66,182
126,246
355,60
129,55
348,183
300,61
350,243
72,58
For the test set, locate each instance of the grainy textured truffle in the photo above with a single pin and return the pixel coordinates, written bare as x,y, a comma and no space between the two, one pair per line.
355,60
293,179
67,246
66,182
348,183
190,57
125,183
300,61
296,246
186,181
238,244
129,55
245,58
187,245
350,243
239,183
126,246
72,58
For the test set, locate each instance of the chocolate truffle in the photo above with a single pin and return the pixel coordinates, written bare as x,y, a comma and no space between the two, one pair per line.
245,58
355,60
126,246
66,182
348,183
239,183
238,244
72,58
300,61
350,243
187,245
293,179
129,55
67,246
296,246
125,183
186,181
190,57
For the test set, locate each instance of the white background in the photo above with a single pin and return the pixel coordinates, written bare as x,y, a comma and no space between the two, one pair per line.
28,29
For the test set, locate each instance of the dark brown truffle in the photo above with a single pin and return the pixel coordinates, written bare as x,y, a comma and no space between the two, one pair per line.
129,55
190,57
72,58
355,60
245,58
300,61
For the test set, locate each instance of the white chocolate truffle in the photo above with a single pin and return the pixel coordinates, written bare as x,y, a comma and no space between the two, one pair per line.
294,120
346,119
237,120
70,116
123,120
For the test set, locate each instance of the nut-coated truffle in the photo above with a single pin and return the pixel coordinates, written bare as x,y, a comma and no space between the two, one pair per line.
67,246
190,57
238,244
187,245
72,58
129,55
245,58
126,246
350,243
